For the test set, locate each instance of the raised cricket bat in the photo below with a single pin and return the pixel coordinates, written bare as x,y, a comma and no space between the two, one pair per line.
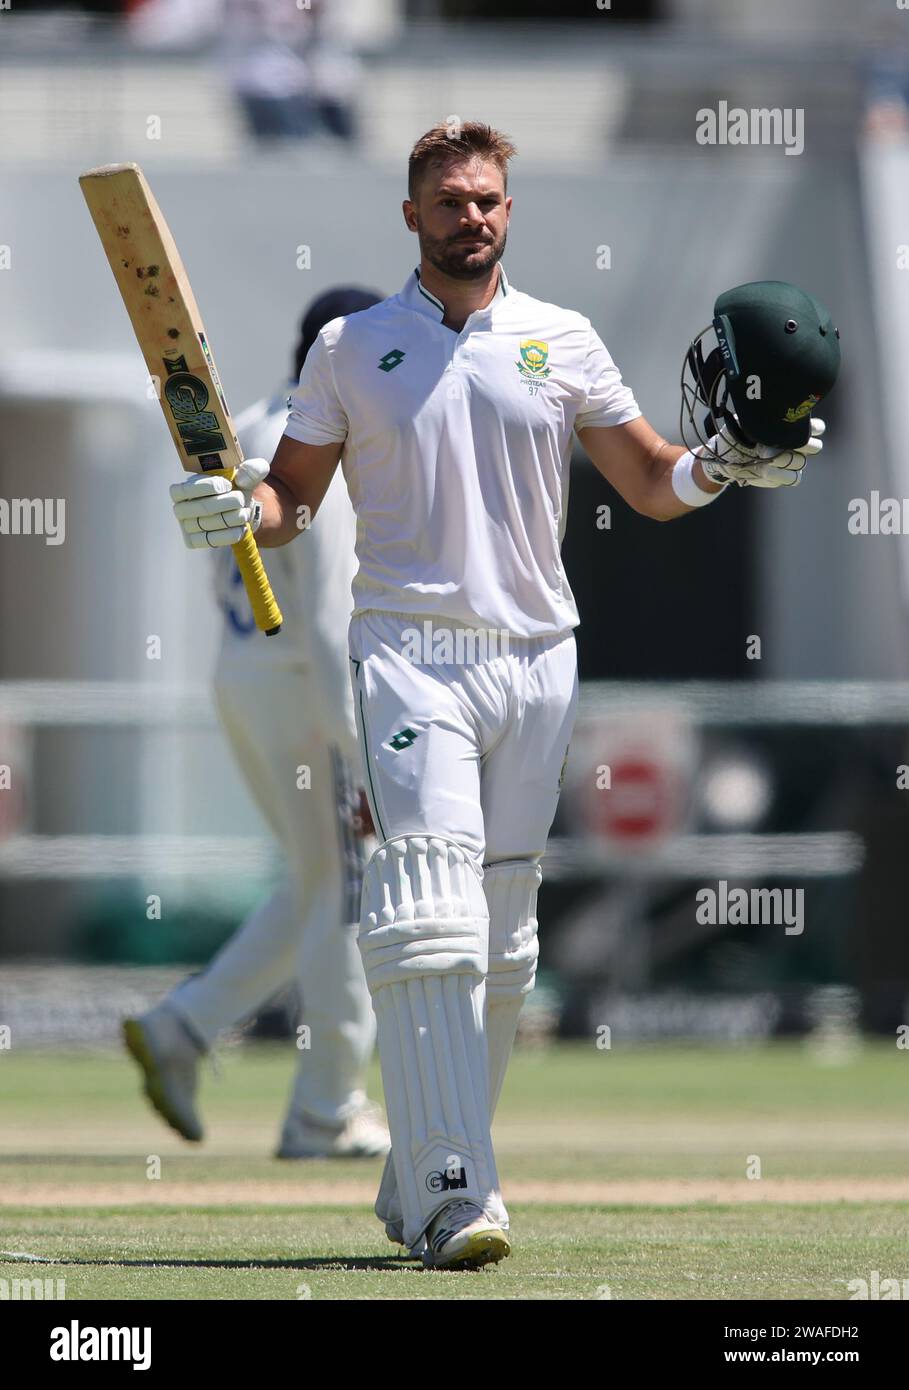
166,320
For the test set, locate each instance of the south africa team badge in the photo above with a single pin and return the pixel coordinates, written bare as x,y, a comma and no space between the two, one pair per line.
534,356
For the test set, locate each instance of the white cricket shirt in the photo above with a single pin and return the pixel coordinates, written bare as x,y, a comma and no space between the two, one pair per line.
457,448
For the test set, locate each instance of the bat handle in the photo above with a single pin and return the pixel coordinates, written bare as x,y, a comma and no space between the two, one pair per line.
262,601
258,590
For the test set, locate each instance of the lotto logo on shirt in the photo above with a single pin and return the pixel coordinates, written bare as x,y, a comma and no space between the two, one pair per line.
392,359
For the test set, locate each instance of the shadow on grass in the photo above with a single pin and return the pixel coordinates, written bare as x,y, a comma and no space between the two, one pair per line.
192,1161
353,1263
76,1160
189,1155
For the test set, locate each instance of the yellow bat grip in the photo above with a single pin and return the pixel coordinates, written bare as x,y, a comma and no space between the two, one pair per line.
262,601
258,590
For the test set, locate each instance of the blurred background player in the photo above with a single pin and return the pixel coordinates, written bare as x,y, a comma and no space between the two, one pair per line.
290,67
300,761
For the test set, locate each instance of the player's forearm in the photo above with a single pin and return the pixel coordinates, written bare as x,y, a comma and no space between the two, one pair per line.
664,501
658,479
292,493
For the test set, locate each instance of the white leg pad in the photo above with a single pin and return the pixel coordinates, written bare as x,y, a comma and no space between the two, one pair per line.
511,894
424,943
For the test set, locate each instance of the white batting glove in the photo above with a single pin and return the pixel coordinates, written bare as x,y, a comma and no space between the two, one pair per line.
763,465
213,512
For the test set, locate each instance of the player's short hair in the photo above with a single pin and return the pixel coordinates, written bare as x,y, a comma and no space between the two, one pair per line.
450,140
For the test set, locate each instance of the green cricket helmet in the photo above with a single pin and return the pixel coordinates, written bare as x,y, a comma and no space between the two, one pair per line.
774,354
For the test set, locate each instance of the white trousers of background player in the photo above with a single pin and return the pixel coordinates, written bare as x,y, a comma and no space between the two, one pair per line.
307,930
470,755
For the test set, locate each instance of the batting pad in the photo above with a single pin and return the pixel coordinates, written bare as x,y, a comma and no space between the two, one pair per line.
511,894
423,939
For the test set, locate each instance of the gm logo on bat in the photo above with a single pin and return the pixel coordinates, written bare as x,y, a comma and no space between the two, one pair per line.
199,428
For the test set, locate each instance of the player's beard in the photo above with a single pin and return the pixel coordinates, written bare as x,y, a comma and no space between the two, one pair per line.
455,261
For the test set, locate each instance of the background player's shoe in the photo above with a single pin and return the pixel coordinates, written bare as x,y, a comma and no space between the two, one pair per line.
363,1135
169,1058
461,1236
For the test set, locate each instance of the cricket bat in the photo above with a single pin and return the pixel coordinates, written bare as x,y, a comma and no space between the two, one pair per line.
158,297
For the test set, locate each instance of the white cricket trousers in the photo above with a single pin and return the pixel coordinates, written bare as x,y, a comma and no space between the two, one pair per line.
464,744
473,752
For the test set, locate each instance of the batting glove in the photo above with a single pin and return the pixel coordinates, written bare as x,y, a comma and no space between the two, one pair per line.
214,512
760,465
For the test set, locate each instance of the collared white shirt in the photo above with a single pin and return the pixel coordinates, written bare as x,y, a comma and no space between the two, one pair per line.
456,450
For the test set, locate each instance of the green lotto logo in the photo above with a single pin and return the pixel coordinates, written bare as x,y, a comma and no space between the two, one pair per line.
187,398
392,359
404,738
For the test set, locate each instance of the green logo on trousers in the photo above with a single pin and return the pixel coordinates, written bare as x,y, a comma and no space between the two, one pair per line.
402,739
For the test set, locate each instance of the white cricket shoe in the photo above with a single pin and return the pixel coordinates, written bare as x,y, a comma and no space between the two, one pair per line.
461,1236
388,1210
169,1058
363,1135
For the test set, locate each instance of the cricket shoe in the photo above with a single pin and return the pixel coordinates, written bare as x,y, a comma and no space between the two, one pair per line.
461,1236
388,1210
169,1059
364,1134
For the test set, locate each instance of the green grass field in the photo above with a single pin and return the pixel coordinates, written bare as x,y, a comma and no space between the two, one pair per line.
626,1174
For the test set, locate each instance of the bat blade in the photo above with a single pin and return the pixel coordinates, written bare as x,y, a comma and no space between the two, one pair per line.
159,300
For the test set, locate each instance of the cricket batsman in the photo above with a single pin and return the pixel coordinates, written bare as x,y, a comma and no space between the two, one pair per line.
286,705
450,407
